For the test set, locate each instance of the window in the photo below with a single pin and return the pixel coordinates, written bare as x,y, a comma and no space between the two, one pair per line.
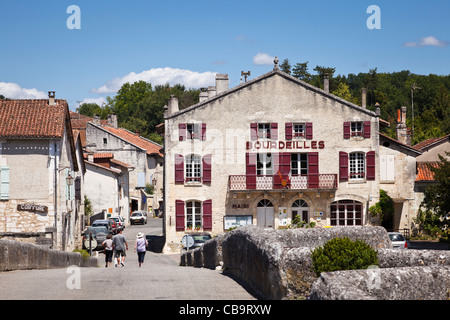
4,183
193,215
193,131
264,164
346,213
356,129
264,130
193,168
298,130
357,167
299,163
105,141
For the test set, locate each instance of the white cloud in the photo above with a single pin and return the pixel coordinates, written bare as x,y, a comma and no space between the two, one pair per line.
427,41
161,76
15,91
263,59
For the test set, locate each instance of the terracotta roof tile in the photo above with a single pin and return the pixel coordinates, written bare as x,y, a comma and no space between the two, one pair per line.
32,118
151,147
423,171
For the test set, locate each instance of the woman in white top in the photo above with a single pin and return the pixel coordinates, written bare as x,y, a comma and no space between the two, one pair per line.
140,247
108,245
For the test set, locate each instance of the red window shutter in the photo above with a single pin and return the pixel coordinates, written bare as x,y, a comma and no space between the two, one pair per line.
179,168
313,170
253,131
207,215
274,131
182,131
346,130
288,130
203,131
179,215
367,129
207,168
309,130
250,159
343,166
370,165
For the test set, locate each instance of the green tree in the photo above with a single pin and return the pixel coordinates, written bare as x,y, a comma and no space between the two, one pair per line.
285,66
300,71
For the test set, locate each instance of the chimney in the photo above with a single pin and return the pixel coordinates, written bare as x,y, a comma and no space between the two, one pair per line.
51,98
173,105
90,156
203,95
326,82
137,133
221,82
96,119
112,120
211,91
364,98
403,134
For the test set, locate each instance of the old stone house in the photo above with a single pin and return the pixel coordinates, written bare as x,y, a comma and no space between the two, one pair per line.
38,161
266,151
142,154
107,184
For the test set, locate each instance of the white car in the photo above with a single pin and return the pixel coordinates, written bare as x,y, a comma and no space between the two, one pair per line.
398,241
138,217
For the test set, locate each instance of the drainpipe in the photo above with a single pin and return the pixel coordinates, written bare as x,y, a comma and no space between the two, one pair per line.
55,192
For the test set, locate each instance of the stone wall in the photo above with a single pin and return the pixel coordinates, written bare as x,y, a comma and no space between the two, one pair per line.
276,264
17,255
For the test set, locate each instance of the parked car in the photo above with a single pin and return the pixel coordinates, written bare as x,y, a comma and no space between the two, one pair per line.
398,240
118,223
98,233
199,239
138,217
108,224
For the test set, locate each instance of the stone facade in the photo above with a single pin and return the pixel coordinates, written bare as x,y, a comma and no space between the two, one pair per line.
224,136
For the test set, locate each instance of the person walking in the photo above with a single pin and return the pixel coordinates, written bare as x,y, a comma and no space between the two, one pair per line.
140,247
108,245
120,244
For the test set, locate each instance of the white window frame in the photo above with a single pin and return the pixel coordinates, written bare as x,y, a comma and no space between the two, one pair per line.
264,164
357,129
193,131
194,215
301,163
357,165
299,130
193,168
264,130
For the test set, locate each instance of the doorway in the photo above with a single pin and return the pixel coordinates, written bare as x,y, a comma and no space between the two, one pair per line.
264,214
300,208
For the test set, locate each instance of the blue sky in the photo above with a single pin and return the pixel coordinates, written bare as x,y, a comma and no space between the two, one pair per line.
190,41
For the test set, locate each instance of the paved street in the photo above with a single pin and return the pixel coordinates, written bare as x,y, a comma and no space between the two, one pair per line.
160,278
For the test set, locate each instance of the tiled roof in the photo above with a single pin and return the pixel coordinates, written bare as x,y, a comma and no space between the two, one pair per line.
151,147
32,118
424,144
423,171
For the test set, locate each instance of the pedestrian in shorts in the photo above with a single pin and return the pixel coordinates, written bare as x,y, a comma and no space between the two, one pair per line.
120,244
108,245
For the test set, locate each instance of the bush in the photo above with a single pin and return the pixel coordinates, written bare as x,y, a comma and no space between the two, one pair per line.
343,254
84,254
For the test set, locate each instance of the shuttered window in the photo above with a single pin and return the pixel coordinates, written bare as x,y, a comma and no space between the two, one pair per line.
207,168
207,215
250,162
313,170
179,168
4,185
370,161
343,166
179,215
281,177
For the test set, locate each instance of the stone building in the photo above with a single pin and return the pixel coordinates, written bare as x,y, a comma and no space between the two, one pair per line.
39,168
266,151
142,154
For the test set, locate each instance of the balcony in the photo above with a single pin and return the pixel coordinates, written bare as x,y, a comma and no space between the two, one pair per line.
273,182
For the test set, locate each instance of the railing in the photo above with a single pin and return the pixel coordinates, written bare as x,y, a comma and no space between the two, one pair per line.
270,182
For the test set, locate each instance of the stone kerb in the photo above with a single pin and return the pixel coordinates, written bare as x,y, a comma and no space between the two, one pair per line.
409,283
276,264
